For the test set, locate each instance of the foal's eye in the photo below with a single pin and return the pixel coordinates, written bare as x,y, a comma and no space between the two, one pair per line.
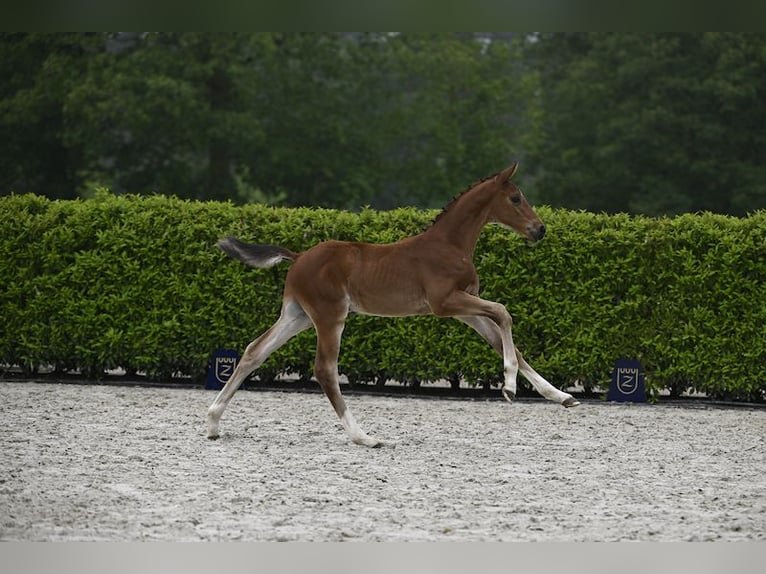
515,199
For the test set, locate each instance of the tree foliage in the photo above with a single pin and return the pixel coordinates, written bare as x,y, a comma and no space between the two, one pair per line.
311,119
38,71
643,123
652,123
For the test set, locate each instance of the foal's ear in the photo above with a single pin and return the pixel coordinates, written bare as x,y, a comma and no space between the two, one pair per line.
506,174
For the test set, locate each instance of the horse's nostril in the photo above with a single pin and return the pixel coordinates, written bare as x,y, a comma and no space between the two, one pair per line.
541,231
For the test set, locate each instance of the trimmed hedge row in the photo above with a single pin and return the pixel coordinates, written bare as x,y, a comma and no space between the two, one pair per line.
136,282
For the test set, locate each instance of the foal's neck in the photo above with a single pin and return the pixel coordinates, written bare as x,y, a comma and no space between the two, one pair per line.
461,222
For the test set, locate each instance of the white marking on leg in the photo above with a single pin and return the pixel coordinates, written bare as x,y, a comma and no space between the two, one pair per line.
355,432
510,362
510,372
543,387
291,321
491,333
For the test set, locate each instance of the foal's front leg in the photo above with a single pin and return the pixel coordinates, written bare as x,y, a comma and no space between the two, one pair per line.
477,311
489,332
544,387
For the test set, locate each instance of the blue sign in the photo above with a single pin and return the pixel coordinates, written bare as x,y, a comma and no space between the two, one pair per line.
627,382
221,367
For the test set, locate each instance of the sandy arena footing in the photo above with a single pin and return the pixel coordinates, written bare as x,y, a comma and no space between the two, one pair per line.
84,462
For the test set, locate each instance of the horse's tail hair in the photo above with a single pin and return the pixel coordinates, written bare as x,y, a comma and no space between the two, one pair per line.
259,256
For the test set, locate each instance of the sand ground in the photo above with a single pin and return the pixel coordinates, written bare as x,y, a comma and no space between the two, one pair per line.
123,463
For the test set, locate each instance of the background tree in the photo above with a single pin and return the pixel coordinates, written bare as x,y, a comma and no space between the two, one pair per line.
339,120
643,123
168,113
384,119
37,71
651,123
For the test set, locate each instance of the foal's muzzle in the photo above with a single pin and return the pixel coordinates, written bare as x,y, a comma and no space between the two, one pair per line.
539,233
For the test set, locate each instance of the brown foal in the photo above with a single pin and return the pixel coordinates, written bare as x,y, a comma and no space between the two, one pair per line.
429,273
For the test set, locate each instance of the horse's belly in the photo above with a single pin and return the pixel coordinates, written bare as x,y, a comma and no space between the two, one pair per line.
391,304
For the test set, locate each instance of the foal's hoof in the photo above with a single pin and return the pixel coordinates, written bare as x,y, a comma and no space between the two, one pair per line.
509,395
369,442
214,437
571,402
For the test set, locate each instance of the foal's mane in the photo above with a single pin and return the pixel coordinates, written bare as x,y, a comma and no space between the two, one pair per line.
455,199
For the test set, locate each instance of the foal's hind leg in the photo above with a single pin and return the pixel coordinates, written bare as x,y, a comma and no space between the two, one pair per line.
292,321
326,371
491,333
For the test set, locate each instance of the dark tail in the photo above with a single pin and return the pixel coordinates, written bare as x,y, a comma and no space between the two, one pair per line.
259,256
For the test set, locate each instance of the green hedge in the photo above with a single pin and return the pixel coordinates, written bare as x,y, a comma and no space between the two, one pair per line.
136,282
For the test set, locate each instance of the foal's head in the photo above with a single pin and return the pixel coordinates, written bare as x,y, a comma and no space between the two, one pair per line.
510,208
